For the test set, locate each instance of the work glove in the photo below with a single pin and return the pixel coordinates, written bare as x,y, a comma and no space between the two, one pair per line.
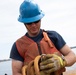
51,63
33,68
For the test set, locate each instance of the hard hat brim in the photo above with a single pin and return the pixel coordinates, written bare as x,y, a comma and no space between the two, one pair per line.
33,19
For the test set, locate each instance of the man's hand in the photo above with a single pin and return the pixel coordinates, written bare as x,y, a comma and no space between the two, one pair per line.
51,63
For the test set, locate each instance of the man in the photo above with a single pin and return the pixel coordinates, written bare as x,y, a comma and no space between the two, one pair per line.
32,44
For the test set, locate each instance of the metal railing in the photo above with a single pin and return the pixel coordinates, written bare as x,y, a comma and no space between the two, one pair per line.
73,47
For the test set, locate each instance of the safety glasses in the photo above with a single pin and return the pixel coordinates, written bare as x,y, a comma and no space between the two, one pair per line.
31,22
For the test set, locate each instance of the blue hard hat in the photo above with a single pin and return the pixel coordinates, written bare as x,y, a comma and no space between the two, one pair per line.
30,12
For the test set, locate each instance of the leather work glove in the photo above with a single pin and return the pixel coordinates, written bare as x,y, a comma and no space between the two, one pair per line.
51,63
33,68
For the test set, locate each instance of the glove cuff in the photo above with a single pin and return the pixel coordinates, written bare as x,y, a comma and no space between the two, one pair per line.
63,62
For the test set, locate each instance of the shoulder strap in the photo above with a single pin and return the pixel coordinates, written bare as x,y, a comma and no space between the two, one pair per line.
47,39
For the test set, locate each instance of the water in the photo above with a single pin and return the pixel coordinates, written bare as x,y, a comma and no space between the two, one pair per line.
5,67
